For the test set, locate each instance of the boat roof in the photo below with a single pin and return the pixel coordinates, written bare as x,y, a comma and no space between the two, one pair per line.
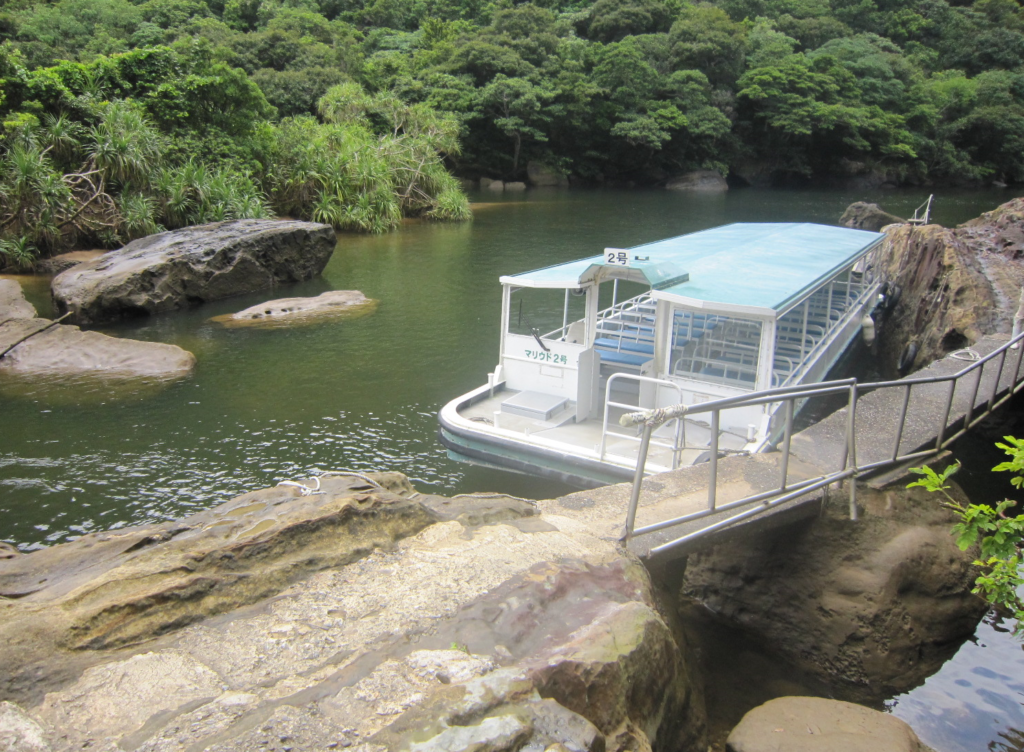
745,267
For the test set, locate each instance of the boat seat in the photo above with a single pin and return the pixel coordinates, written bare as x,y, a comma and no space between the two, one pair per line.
622,358
623,344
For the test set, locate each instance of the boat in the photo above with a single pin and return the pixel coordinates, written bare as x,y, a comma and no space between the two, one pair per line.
709,315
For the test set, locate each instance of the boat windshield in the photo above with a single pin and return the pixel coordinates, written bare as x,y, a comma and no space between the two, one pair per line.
716,348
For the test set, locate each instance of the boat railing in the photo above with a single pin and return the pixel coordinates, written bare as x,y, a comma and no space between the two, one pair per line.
922,213
679,436
1001,367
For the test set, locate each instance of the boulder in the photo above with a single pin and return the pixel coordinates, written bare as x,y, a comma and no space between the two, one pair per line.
814,724
873,606
182,268
495,185
378,619
486,182
291,311
515,187
698,180
32,347
540,174
861,215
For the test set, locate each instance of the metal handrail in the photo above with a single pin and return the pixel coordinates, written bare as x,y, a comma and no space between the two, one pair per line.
608,404
849,467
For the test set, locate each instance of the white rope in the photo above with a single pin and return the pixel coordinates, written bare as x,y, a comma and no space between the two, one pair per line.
354,474
304,490
966,354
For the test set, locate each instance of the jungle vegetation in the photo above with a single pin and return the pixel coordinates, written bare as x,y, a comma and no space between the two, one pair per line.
119,116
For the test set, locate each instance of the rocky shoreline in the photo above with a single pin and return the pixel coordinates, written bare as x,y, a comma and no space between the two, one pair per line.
352,611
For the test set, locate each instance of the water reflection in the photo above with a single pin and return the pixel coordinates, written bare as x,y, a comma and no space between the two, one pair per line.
977,697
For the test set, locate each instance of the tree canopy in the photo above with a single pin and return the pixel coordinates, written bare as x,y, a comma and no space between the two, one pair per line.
607,90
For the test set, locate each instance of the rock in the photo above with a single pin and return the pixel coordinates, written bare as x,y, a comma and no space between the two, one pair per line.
486,182
18,732
182,268
813,724
61,262
946,302
290,311
496,185
698,180
66,351
31,347
861,215
1002,229
109,700
451,635
515,187
540,174
13,304
873,606
7,551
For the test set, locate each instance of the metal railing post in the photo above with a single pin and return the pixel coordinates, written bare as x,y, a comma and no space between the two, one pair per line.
786,442
901,422
713,460
851,448
995,385
945,416
638,479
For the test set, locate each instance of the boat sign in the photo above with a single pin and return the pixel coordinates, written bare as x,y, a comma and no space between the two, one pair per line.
616,256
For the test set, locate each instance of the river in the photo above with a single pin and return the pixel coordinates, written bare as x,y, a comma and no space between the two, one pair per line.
267,405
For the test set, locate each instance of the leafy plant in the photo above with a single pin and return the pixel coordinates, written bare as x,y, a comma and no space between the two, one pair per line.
1000,537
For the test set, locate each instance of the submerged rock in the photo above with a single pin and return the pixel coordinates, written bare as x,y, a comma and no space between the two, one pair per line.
183,268
814,724
862,215
291,311
31,346
357,613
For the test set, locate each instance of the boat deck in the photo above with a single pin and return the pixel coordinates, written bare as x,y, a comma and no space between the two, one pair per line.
584,438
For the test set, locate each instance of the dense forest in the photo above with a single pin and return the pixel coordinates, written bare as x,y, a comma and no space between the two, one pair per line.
120,117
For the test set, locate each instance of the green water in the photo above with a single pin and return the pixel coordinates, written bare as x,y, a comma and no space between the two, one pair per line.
270,405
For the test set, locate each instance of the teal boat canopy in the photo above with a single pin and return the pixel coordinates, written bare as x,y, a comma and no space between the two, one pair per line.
760,267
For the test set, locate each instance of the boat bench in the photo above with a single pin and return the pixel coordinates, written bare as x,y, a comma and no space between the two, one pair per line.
622,358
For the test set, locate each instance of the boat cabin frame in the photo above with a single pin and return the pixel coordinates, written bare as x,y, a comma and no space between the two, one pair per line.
724,312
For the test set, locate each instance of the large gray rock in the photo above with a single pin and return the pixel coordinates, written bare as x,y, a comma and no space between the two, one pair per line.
814,724
31,347
698,180
379,619
182,268
861,215
62,350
